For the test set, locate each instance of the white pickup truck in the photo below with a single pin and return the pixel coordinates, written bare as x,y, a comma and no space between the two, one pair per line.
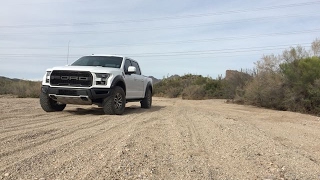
105,80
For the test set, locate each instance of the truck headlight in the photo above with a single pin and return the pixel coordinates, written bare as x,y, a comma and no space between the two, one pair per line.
101,78
48,76
102,75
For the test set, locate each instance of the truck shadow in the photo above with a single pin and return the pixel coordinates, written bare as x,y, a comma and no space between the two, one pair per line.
138,109
99,111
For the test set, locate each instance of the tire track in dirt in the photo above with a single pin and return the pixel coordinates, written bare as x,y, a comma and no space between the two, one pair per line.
108,147
42,123
79,146
253,145
196,151
53,118
35,120
138,155
176,139
34,145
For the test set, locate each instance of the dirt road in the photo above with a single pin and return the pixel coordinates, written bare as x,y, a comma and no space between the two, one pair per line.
176,139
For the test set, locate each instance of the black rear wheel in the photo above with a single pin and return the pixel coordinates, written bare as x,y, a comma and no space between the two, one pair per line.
147,100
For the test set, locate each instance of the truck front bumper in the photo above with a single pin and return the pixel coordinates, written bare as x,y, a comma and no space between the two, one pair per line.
76,95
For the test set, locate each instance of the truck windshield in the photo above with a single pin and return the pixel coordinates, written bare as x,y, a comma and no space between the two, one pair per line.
104,61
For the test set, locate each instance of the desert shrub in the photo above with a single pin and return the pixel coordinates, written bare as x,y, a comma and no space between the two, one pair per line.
189,87
287,82
265,87
314,95
315,47
194,92
265,90
215,89
173,92
169,87
290,81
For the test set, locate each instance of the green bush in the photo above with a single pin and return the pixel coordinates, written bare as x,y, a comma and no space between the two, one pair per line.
302,84
190,87
287,82
290,81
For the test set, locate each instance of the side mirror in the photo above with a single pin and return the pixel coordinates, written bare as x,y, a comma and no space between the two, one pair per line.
132,70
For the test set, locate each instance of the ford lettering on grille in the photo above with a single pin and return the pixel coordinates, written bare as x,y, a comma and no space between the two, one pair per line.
71,78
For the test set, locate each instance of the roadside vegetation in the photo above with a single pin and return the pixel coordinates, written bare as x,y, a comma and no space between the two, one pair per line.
289,81
19,88
197,87
189,87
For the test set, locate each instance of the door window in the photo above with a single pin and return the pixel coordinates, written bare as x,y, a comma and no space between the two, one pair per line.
135,64
126,65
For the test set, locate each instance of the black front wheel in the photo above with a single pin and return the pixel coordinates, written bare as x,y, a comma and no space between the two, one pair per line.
50,105
115,103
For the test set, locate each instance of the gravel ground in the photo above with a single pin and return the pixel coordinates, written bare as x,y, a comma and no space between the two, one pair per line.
175,139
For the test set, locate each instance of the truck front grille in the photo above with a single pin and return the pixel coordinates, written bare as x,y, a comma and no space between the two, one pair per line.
71,78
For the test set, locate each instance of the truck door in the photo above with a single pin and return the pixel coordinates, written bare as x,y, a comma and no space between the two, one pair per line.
129,80
139,81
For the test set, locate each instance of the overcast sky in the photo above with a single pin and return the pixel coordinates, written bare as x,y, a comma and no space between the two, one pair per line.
167,37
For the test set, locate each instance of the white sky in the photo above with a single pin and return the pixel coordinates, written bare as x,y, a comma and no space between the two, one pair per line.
166,37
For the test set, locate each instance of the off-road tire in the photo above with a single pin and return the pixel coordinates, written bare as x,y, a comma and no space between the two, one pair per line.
147,100
115,103
50,105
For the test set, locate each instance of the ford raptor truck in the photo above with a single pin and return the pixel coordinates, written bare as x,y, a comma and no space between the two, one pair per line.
108,81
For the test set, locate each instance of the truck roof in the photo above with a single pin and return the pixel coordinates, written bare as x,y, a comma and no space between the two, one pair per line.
113,56
106,55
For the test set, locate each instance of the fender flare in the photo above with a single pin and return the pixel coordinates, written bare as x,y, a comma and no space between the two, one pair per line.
149,85
119,79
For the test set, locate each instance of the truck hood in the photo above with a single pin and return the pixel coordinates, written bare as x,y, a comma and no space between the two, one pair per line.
97,69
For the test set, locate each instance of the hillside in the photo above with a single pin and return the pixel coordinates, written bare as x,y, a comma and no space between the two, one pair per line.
154,80
19,88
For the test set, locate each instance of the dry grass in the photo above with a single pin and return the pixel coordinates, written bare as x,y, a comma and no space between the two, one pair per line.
20,88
